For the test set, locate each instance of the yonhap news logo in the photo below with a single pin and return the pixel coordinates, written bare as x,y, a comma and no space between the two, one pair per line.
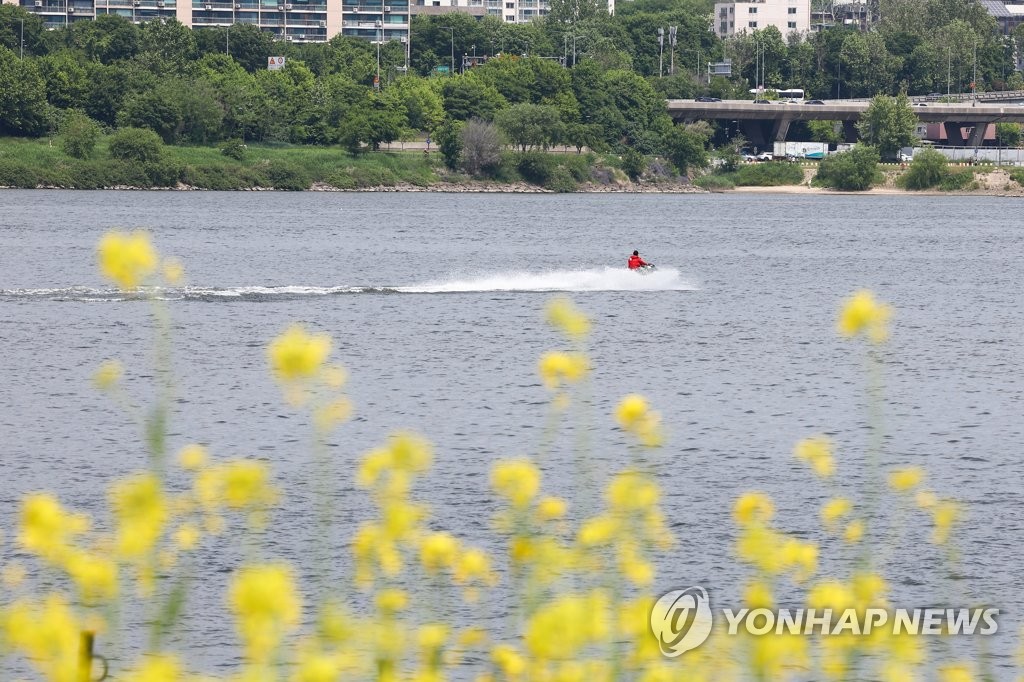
681,620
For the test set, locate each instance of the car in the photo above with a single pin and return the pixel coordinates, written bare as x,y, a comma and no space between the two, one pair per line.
906,158
765,156
935,94
920,104
708,99
814,101
762,101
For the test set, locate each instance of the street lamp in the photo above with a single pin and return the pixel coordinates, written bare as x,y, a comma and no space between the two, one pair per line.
449,28
22,38
661,51
376,80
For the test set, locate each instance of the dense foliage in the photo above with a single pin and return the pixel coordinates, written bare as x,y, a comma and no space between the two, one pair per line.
854,170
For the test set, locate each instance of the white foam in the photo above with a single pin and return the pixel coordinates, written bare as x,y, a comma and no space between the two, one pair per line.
598,279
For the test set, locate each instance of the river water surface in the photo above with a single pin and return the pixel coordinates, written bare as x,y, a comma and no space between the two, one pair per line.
435,304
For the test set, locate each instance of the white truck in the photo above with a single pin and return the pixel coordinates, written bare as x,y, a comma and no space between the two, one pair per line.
800,150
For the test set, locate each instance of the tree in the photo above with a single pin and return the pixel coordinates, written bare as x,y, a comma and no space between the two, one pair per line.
481,147
530,125
467,97
685,148
1008,134
246,43
167,46
67,81
928,169
78,134
422,102
23,108
825,131
108,39
854,170
158,109
136,144
12,20
372,122
449,142
888,124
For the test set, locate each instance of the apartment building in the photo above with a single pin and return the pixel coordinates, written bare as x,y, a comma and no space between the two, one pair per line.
510,11
287,20
788,16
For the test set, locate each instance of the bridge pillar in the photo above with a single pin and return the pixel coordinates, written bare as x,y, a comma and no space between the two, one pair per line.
977,138
954,134
780,128
850,133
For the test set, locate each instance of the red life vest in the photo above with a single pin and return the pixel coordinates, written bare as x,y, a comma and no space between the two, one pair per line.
636,262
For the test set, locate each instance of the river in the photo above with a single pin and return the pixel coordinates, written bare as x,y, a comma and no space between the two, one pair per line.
435,304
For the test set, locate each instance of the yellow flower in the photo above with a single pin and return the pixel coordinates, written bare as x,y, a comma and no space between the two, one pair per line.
410,452
597,531
632,490
509,661
905,479
174,271
48,634
816,451
551,508
141,512
192,457
108,375
956,673
317,667
45,528
246,484
557,368
862,313
869,589
854,531
266,606
126,259
634,415
944,514
753,507
432,636
758,595
94,574
159,668
392,600
332,414
296,355
517,480
473,564
631,411
561,313
831,594
835,509
187,536
438,551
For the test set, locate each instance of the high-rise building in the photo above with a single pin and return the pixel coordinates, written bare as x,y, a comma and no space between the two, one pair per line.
510,11
741,16
288,20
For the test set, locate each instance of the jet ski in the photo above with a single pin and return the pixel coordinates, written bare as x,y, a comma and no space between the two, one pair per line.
645,269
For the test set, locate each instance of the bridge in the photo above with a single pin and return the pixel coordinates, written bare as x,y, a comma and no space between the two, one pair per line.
764,123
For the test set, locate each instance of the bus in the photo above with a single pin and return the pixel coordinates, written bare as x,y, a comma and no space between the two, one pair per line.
794,95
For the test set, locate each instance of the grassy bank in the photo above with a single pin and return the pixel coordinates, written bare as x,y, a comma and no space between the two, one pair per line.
754,175
29,164
34,163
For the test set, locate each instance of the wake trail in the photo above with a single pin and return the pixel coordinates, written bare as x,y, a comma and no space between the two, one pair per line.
598,279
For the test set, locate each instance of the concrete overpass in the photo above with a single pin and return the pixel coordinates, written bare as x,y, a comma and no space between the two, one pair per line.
764,123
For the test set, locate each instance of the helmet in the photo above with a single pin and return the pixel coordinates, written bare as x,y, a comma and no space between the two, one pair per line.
636,253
